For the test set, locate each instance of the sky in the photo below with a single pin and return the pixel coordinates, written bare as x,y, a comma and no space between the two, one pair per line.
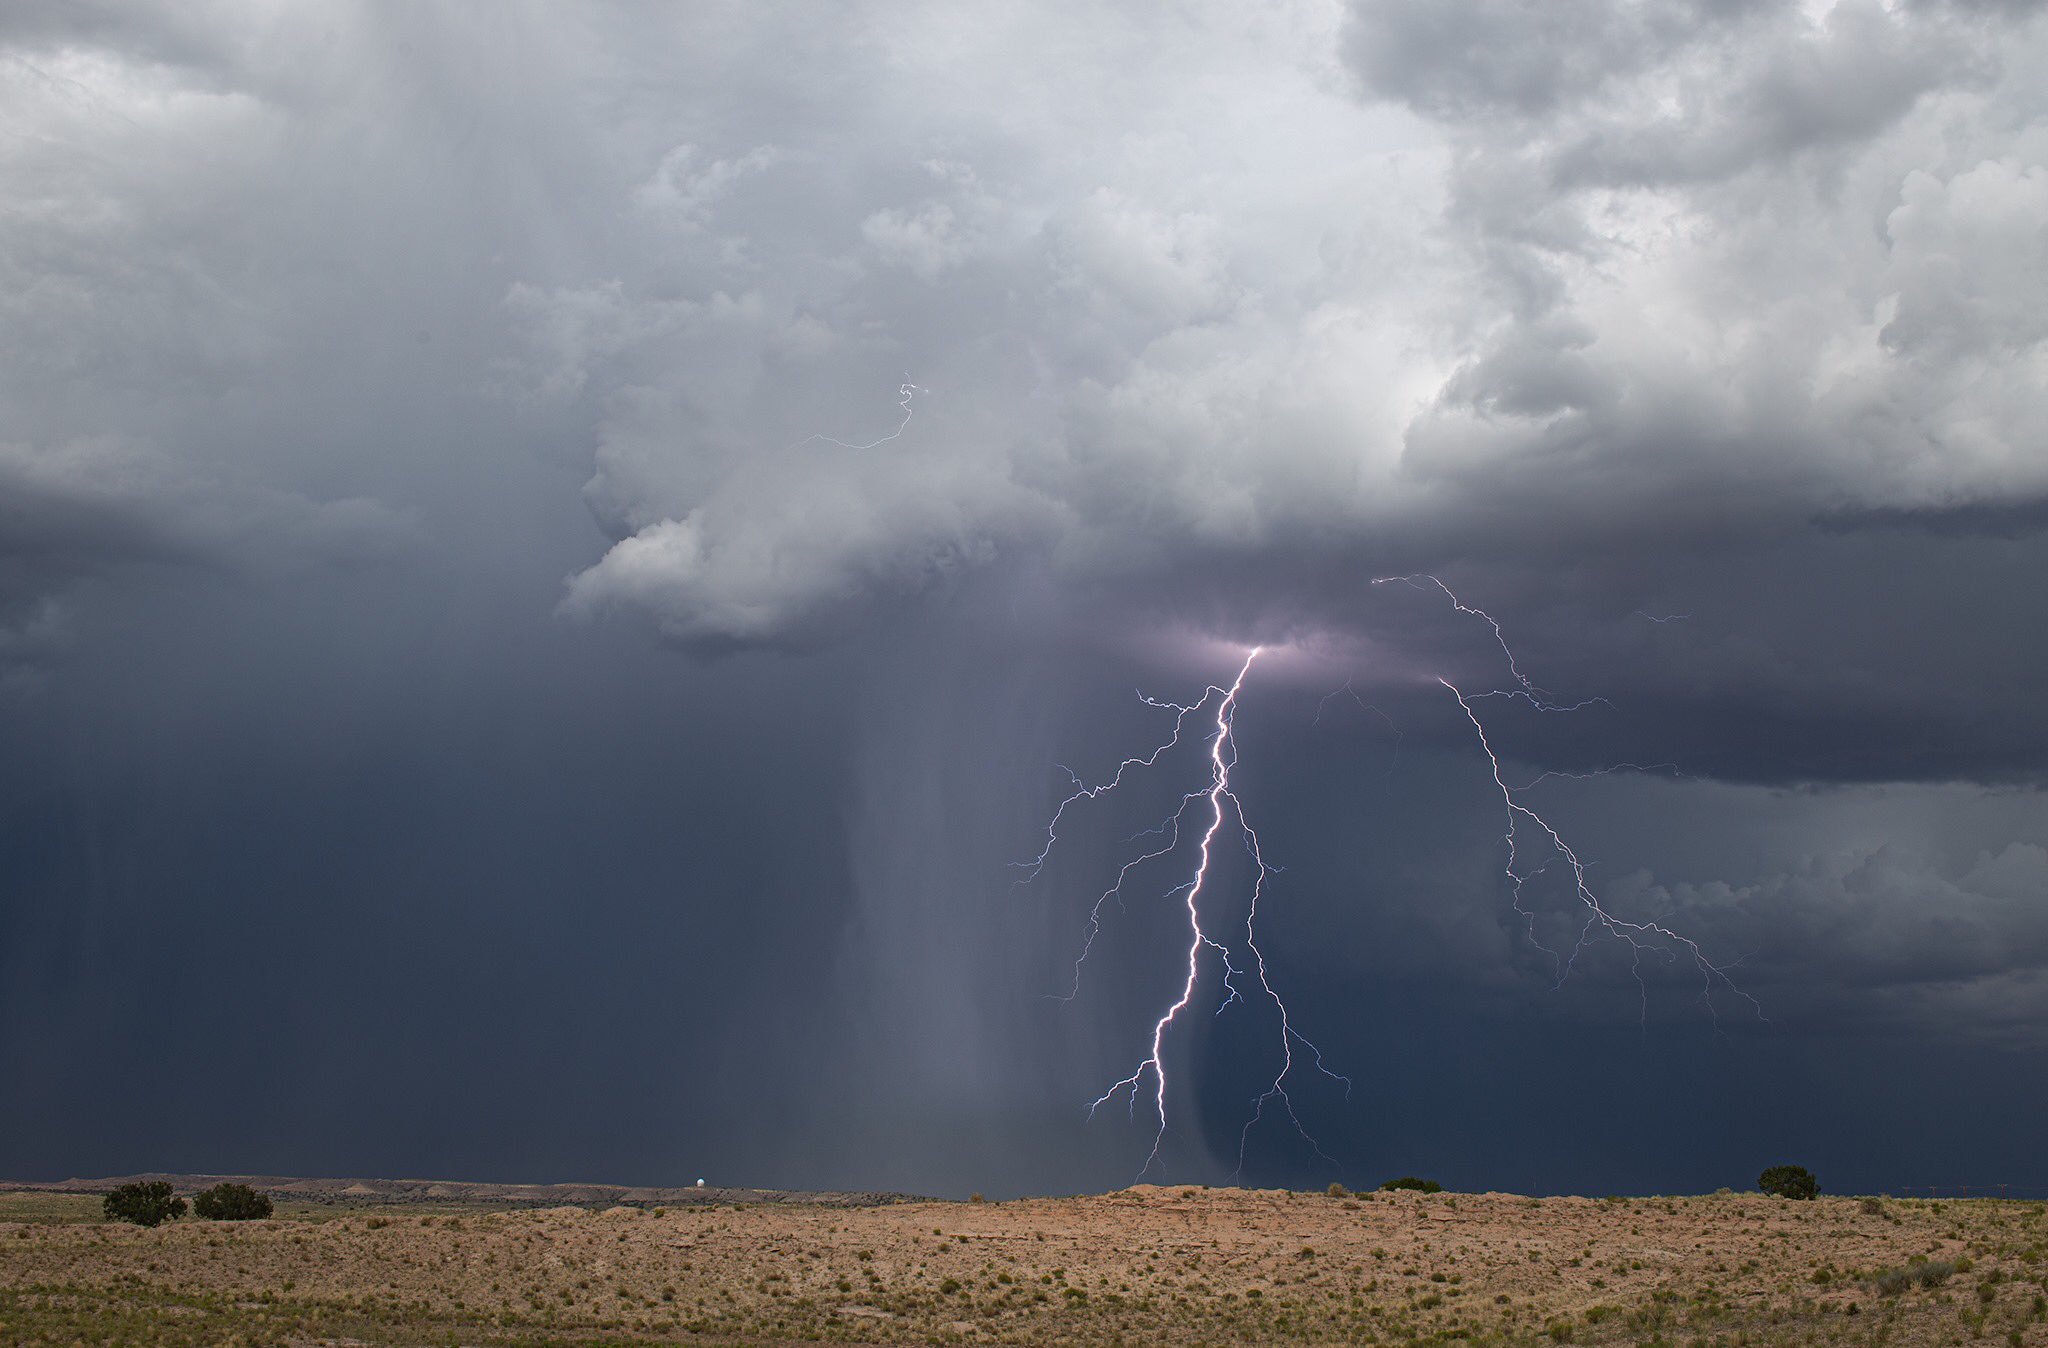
554,559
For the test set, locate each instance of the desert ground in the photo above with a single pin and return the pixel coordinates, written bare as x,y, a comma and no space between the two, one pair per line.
1149,1265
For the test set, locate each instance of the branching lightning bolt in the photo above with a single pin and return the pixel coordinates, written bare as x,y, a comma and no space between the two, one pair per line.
904,393
1528,857
1536,697
1640,937
1223,805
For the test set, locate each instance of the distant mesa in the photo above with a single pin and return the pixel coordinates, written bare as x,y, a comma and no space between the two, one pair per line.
355,1191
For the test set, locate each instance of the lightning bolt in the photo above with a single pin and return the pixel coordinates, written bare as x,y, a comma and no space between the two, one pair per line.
904,393
1222,805
1640,937
1536,697
1534,845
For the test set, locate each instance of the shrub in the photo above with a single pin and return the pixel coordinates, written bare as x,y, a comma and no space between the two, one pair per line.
1873,1207
1935,1273
1788,1181
1426,1186
145,1203
1927,1273
231,1203
1337,1190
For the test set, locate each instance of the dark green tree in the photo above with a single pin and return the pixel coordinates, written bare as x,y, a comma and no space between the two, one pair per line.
1788,1181
1412,1182
145,1203
231,1203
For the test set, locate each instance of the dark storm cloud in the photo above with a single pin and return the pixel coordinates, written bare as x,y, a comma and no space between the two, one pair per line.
1626,289
376,379
1626,295
2002,519
1879,919
97,511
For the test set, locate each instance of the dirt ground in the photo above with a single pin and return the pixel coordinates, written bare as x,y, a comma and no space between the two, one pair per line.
1144,1266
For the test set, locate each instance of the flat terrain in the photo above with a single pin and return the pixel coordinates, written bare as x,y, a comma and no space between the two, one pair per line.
318,1193
1144,1266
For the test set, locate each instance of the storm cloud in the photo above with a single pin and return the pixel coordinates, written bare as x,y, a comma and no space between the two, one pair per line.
432,537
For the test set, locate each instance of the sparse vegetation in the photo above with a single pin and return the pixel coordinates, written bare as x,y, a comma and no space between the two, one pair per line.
231,1203
145,1203
1426,1186
1789,1181
1922,1272
1173,1267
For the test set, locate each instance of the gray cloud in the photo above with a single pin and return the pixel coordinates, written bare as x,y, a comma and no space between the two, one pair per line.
1881,936
1501,58
94,510
1603,310
1562,271
1638,276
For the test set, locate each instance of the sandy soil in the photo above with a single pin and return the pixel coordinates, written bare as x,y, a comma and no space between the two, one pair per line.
1148,1265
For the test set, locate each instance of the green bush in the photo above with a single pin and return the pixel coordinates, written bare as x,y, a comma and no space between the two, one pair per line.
1788,1181
1426,1186
145,1203
231,1203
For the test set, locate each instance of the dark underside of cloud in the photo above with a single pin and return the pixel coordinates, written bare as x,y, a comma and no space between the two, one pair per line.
549,563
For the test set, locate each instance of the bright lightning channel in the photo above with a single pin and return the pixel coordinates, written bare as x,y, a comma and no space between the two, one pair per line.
1223,804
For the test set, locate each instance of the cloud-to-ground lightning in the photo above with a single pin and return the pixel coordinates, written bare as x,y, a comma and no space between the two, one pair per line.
1533,845
1222,804
904,393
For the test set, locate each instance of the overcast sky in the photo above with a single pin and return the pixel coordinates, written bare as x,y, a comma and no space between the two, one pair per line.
551,561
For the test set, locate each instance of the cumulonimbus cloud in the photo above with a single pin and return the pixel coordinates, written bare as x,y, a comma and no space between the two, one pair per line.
1602,295
1424,271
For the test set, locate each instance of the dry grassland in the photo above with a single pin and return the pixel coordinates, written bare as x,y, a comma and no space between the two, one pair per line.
1145,1266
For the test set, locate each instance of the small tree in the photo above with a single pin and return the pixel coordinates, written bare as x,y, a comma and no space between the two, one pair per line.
1788,1181
145,1203
231,1203
1425,1186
